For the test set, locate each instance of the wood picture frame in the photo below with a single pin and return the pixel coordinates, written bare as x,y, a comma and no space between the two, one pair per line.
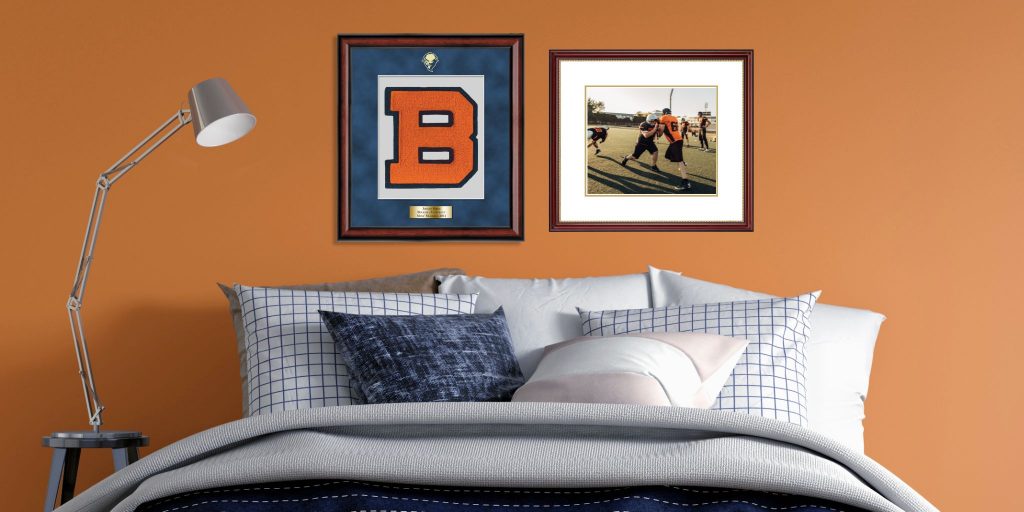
493,64
642,187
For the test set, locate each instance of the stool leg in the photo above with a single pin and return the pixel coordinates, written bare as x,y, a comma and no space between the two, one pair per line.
70,475
133,454
56,468
121,459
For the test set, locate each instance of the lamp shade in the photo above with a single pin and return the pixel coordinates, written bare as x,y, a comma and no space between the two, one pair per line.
218,115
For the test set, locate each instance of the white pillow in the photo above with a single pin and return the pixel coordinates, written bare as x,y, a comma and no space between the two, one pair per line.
839,352
673,369
541,312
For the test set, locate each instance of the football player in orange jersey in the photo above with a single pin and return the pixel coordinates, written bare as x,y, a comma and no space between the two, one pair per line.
674,152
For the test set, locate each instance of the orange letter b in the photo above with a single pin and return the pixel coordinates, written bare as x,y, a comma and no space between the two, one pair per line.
435,137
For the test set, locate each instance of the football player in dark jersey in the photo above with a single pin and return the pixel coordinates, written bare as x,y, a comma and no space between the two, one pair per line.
684,128
597,133
645,142
703,123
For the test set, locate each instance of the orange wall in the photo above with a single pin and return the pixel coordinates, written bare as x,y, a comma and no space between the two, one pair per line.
888,173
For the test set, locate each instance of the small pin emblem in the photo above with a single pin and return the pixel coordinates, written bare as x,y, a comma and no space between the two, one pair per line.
430,60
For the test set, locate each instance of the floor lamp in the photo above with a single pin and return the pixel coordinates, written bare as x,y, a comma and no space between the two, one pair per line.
218,117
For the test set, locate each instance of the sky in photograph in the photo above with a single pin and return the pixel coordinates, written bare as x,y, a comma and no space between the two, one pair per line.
630,100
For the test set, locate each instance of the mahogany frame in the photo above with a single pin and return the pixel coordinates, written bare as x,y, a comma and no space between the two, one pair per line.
746,56
515,230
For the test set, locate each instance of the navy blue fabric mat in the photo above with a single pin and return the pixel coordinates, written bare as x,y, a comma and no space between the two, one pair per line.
349,496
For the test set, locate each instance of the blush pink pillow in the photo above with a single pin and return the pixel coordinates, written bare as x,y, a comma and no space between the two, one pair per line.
672,369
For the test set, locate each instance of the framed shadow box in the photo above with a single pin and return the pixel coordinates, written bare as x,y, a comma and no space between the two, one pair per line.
651,140
430,134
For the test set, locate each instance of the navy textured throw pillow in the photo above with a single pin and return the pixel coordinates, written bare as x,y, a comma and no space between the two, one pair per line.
442,358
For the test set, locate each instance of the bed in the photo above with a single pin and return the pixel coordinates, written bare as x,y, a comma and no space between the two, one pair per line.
641,454
636,392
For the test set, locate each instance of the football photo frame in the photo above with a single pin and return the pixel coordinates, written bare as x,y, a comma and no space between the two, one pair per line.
430,131
668,142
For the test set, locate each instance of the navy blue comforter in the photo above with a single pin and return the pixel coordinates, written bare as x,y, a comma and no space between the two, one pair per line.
347,496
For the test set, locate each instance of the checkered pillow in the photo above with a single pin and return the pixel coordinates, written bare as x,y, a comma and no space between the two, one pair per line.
768,379
292,360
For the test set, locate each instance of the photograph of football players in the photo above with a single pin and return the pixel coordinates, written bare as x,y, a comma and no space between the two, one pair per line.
703,123
674,152
645,142
622,127
595,134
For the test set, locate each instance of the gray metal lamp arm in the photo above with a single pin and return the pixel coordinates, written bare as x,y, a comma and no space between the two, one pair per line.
94,406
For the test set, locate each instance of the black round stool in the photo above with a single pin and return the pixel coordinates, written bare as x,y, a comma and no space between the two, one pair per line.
67,451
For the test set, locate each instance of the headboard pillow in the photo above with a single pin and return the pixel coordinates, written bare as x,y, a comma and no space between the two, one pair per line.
417,282
768,380
839,352
291,359
542,312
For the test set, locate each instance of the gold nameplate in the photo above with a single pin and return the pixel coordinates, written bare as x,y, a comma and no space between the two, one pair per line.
430,212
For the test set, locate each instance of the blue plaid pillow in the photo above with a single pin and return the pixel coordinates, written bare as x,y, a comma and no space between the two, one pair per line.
291,359
768,379
445,358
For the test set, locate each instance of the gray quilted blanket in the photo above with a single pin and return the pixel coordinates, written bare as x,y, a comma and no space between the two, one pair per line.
509,445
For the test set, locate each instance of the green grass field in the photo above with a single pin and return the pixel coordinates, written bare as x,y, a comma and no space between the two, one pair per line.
606,176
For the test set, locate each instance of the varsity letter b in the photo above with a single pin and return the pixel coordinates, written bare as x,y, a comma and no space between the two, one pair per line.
434,139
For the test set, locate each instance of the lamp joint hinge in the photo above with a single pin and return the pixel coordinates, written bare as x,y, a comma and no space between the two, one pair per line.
74,304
